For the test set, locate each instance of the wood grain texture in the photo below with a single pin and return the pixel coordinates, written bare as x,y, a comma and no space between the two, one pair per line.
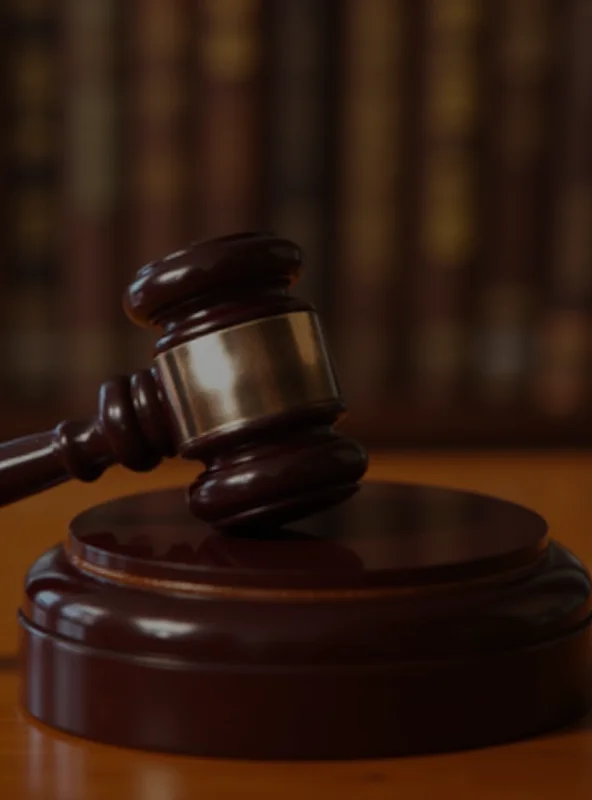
38,763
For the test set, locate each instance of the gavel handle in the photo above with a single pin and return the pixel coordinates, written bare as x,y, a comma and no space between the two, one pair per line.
130,429
40,461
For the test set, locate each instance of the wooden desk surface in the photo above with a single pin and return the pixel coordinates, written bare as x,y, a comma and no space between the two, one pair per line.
35,762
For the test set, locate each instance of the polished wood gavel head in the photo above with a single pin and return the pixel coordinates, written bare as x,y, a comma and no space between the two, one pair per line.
242,381
246,379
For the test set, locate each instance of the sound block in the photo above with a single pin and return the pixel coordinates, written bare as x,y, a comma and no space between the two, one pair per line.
407,620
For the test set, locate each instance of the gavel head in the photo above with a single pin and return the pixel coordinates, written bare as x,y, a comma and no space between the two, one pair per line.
248,385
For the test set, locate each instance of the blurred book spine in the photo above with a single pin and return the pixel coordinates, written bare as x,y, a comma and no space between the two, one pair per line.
368,198
516,88
300,67
5,329
156,99
32,129
229,58
89,194
444,250
562,378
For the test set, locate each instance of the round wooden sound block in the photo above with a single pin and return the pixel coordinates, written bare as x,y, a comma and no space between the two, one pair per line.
409,619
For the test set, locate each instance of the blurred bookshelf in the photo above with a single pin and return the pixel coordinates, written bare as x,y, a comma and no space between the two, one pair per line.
432,157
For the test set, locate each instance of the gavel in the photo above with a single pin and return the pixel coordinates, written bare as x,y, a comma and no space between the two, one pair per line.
241,380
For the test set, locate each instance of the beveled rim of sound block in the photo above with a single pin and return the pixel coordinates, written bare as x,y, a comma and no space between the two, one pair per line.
385,537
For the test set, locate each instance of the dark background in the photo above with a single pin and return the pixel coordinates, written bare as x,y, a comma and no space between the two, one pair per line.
432,157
